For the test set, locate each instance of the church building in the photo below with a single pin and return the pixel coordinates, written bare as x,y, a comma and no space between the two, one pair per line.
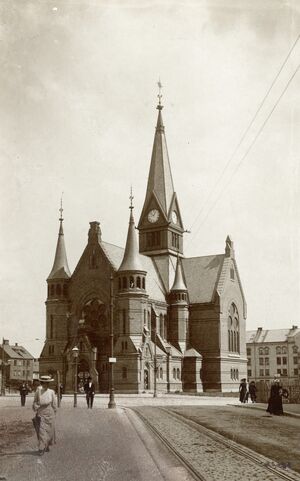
179,323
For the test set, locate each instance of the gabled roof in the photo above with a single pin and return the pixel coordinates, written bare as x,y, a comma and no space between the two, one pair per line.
192,353
201,276
17,352
270,335
154,287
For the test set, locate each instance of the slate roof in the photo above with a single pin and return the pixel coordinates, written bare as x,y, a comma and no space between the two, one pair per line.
17,352
270,335
154,287
201,276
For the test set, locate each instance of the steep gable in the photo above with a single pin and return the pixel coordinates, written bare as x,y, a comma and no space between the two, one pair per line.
201,277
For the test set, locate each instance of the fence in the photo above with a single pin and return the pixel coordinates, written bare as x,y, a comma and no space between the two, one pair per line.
293,387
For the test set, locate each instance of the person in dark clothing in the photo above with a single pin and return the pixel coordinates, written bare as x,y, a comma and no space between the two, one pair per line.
243,389
89,389
252,391
275,399
23,393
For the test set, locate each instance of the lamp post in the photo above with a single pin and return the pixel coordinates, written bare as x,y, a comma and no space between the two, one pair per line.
112,360
75,352
155,365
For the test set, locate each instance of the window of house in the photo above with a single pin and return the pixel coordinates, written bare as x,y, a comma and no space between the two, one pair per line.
267,372
51,326
145,317
278,360
295,360
261,351
267,362
58,289
278,350
295,349
284,350
174,373
231,373
165,327
15,363
153,239
175,240
232,273
138,282
124,282
284,360
261,361
52,290
261,372
296,372
278,371
249,372
120,283
124,321
248,351
161,373
284,372
266,351
178,373
143,283
124,372
131,282
161,325
149,320
248,360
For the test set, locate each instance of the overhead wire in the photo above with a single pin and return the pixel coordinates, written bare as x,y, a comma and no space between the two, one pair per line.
246,130
250,147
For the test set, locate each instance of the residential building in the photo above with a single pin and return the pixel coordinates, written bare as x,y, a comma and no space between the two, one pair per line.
18,364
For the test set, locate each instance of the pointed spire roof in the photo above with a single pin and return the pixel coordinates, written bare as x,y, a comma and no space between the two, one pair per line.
160,177
60,269
131,260
179,284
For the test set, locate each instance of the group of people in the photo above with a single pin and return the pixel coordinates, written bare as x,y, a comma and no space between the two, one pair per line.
44,406
247,389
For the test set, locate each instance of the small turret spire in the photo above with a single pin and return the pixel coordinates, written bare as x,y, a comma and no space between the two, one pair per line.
60,269
131,260
160,106
179,284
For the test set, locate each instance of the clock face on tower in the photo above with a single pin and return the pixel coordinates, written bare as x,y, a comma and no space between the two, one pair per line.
174,217
153,216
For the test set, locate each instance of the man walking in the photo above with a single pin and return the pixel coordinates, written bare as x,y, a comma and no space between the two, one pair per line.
23,392
89,389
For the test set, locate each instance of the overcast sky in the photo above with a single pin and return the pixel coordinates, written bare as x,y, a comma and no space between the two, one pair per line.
78,88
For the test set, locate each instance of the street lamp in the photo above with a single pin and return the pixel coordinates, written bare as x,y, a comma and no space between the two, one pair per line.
112,360
155,365
75,352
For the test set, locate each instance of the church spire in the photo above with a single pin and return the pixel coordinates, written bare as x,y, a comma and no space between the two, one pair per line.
131,260
160,180
60,269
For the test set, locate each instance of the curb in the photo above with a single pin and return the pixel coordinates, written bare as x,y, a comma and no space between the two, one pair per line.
286,413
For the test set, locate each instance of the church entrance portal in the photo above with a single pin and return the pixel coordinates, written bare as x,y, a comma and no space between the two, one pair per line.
83,374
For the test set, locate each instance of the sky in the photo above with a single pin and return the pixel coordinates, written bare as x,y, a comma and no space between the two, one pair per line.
78,93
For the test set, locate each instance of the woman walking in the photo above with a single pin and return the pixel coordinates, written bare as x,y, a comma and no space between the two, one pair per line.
44,405
275,399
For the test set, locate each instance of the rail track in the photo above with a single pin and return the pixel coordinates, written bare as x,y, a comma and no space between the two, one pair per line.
208,455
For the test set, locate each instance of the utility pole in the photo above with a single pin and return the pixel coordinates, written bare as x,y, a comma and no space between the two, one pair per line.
112,360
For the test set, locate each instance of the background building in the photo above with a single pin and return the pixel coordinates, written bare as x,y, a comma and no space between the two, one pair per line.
178,320
18,365
273,352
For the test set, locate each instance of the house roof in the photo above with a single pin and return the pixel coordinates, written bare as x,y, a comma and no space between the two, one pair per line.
17,352
201,276
154,287
270,335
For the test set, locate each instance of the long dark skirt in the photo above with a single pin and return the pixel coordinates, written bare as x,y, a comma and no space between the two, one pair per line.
275,403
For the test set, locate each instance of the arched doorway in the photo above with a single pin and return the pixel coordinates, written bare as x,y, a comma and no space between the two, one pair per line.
83,373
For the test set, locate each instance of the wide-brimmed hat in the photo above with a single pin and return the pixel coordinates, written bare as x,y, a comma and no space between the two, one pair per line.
45,379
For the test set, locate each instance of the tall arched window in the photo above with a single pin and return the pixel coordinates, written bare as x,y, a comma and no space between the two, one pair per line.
233,329
161,325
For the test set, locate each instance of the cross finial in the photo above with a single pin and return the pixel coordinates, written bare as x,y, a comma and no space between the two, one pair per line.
61,207
131,197
159,94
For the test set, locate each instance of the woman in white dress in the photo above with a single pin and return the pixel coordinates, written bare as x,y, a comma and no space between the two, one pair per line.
44,405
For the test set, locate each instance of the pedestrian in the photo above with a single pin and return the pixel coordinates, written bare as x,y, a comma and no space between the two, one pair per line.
243,389
252,391
275,399
89,389
44,405
61,388
23,392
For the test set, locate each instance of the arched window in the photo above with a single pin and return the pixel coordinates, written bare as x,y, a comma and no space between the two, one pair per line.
124,282
284,350
295,349
233,329
120,283
174,373
49,290
161,373
52,290
131,282
165,327
51,326
58,289
278,350
138,282
266,351
145,317
178,373
124,321
65,290
261,351
143,282
149,320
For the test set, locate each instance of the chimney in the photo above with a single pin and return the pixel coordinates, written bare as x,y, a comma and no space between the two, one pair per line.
259,329
16,344
294,328
6,342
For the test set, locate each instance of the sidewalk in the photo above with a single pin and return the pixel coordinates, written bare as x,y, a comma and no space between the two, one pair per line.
288,409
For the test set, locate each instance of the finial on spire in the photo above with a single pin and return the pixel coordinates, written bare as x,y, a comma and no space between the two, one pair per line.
131,197
61,207
160,106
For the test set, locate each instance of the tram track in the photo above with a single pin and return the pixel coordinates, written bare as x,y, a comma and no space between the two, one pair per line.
207,455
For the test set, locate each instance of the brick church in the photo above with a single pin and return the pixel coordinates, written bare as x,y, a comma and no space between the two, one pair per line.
179,319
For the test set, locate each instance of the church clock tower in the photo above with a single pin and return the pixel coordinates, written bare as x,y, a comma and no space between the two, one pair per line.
160,226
